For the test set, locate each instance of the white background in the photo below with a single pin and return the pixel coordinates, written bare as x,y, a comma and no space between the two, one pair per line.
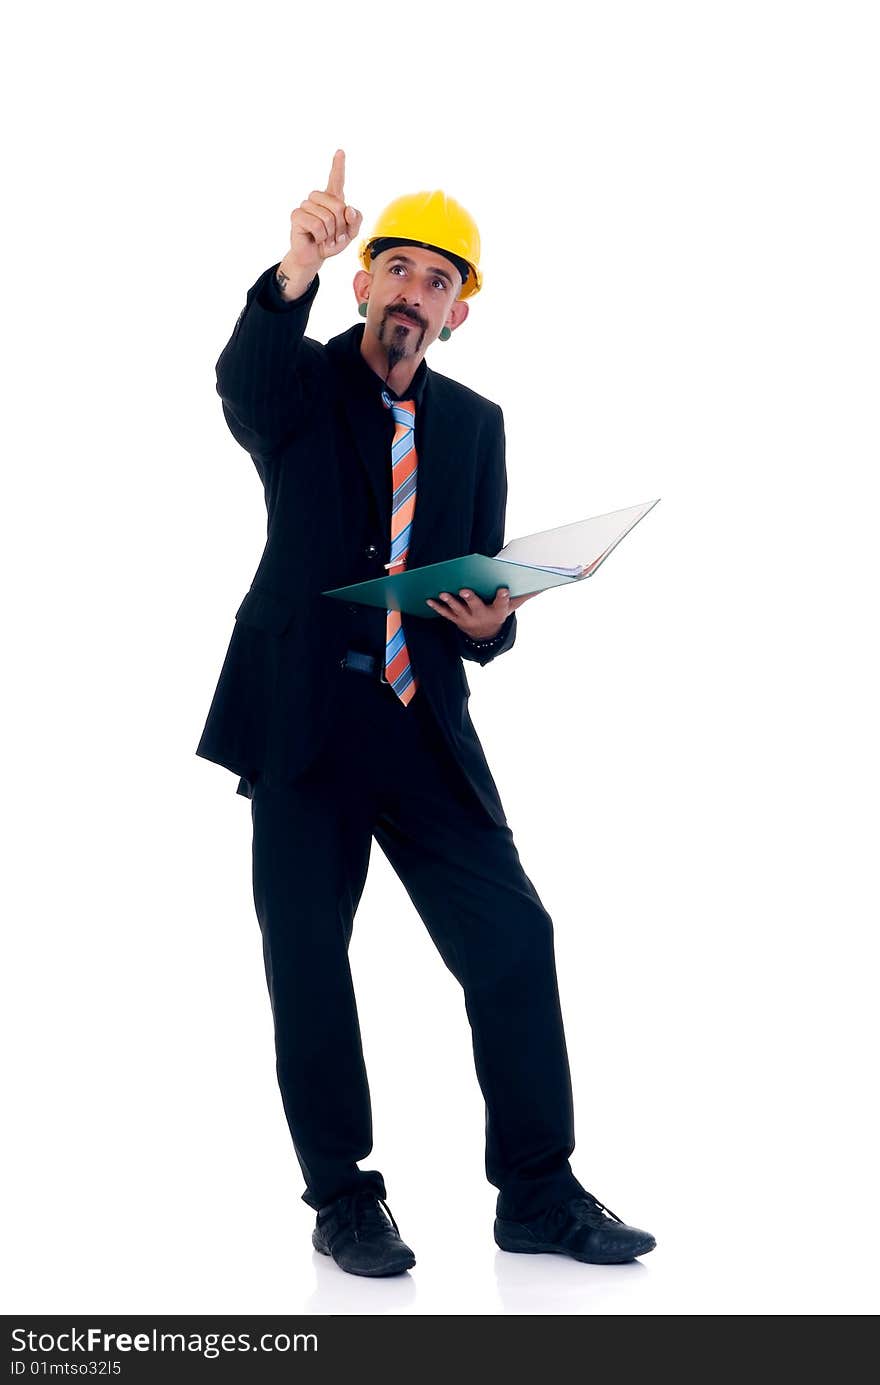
679,212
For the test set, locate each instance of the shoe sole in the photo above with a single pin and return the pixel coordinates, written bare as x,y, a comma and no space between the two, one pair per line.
541,1248
368,1274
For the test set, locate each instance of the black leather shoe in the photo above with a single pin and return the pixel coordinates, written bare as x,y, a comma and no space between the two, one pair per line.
361,1239
580,1227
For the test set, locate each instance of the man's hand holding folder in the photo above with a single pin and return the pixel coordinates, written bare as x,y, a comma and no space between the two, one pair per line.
479,619
490,588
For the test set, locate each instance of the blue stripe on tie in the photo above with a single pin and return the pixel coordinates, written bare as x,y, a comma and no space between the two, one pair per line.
403,493
401,543
401,448
403,680
394,645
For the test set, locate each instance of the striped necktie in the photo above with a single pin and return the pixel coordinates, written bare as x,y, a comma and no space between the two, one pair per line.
404,466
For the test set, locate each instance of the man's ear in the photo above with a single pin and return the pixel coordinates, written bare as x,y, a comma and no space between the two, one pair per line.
361,284
457,314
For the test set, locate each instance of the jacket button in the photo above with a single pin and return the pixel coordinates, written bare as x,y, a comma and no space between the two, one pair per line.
371,551
352,610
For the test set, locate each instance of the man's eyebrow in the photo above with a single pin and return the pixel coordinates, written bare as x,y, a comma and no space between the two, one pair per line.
432,269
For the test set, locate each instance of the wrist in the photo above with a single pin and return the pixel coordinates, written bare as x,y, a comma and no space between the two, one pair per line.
292,281
486,641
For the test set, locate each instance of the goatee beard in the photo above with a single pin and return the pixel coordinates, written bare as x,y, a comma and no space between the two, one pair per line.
395,355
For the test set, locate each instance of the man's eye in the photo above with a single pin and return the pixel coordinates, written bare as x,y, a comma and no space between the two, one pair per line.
397,266
438,283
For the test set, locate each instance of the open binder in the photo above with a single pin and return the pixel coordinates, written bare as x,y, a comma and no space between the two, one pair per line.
552,558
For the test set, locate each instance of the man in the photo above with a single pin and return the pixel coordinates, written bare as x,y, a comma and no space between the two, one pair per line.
348,723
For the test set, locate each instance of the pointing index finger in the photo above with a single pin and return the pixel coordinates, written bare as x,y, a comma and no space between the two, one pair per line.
337,175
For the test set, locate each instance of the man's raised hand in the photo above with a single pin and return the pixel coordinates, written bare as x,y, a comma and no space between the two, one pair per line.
323,225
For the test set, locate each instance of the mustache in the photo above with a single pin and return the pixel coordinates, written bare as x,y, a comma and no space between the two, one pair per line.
405,312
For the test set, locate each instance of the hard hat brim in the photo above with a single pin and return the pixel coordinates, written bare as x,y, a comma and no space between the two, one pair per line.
470,286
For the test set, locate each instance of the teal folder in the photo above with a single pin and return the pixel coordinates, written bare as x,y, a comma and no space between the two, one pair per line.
409,591
552,558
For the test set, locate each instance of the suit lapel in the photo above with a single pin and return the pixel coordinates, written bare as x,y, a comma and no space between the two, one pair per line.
340,349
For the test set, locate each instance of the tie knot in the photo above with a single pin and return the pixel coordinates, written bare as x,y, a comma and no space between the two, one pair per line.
407,405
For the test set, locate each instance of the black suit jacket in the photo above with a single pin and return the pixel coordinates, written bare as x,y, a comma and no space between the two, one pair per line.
288,401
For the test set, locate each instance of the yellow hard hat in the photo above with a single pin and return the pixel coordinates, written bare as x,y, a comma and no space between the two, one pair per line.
435,221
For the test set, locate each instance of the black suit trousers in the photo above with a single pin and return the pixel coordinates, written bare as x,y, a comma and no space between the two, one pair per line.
385,772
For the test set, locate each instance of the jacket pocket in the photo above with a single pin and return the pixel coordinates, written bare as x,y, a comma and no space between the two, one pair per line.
267,610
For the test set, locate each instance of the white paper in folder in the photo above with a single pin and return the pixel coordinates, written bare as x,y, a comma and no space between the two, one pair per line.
575,550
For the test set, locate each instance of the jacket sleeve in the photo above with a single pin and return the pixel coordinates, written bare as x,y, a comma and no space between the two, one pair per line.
260,373
487,537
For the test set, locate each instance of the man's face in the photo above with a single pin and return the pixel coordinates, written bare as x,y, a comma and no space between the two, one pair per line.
411,294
